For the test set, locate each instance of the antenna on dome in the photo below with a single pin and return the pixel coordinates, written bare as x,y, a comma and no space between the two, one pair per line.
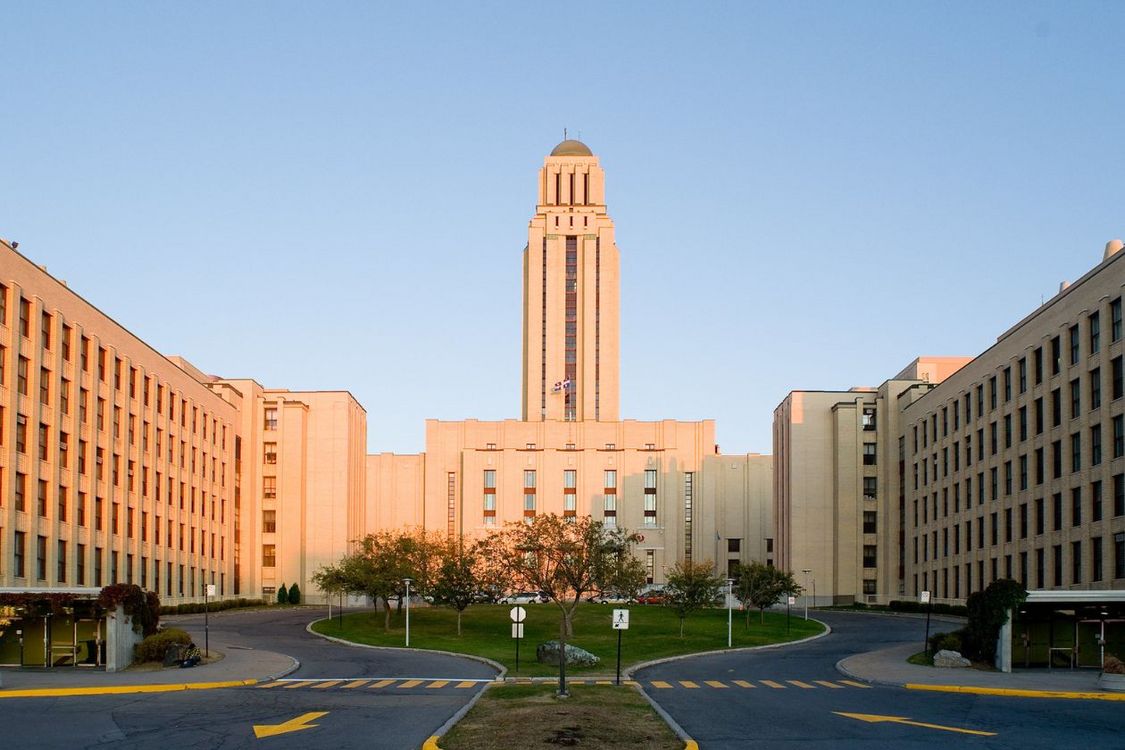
564,134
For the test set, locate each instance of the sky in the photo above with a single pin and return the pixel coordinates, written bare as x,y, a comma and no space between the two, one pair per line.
335,195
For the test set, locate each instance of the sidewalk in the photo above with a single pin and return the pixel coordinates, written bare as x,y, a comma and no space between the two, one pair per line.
889,667
240,665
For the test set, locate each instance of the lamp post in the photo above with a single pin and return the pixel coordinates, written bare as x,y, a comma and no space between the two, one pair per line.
730,593
407,582
806,571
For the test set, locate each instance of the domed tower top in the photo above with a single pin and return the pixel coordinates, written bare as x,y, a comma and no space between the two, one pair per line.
571,147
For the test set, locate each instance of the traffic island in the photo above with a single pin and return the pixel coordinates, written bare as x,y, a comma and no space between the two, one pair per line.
594,716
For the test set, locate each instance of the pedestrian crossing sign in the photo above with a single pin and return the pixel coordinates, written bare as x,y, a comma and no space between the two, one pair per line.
620,619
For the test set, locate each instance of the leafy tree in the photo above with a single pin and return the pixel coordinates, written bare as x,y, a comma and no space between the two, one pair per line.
988,611
330,580
567,558
282,595
491,570
761,586
294,594
691,586
455,582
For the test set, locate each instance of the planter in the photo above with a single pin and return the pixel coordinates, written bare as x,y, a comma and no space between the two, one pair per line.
1113,682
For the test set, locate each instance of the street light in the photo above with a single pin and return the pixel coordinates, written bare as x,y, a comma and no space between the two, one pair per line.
730,593
407,582
806,571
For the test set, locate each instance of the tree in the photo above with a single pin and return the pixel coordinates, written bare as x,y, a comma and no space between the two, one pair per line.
330,580
294,594
691,586
455,582
282,595
762,586
566,558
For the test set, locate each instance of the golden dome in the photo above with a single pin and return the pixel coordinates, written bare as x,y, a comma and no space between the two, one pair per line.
571,147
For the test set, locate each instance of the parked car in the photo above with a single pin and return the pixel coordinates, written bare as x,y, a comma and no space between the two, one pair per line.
523,597
610,597
652,596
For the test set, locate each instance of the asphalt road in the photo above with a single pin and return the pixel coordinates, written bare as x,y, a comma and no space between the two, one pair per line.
385,711
761,716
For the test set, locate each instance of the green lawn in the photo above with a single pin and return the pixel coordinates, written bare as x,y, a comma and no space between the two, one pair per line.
486,631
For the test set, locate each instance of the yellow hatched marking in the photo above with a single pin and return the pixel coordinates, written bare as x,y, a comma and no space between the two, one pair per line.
688,684
772,684
465,684
604,682
800,684
853,683
630,683
302,683
660,684
828,684
438,684
356,683
577,682
272,684
327,684
409,684
743,683
715,683
381,684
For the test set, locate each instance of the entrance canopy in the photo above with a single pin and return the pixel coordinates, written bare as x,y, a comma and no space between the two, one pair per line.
1065,629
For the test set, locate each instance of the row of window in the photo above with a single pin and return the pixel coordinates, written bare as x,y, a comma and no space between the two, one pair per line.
116,575
1090,552
570,484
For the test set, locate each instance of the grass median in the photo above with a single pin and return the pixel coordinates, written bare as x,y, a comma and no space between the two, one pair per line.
594,716
486,631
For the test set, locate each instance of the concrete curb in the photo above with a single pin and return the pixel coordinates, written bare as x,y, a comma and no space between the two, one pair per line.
432,742
689,743
1017,692
500,668
870,680
645,665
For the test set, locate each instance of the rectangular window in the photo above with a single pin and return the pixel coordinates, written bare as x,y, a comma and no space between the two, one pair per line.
269,556
1119,495
1115,319
41,558
1023,374
869,454
869,522
269,420
25,318
1023,521
992,392
870,555
1117,378
1007,384
1119,436
1056,512
1095,388
689,489
1118,555
269,453
1074,352
1076,451
570,497
1096,570
1076,562
529,493
269,487
650,497
1040,517
1075,398
269,521
1095,445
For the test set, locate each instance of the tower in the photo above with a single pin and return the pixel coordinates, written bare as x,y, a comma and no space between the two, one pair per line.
570,294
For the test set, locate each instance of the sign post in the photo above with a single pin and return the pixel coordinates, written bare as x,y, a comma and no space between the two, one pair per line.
208,592
788,604
518,615
925,599
620,623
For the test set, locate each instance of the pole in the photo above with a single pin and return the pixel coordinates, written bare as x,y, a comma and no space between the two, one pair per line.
341,621
929,608
787,607
806,571
407,613
618,682
206,622
517,650
730,593
562,669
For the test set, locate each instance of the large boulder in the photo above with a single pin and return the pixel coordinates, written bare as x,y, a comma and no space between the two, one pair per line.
945,658
548,653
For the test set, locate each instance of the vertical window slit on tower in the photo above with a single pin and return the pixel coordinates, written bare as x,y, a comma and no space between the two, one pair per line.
570,359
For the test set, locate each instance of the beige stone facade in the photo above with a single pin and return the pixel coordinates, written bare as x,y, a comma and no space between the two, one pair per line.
1016,462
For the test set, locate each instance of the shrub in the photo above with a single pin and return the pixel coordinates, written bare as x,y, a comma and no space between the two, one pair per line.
143,608
1113,665
156,645
909,605
282,595
294,594
988,611
945,642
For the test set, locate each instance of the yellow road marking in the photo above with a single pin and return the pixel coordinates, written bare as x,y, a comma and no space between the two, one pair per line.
271,684
121,689
853,683
630,683
660,684
688,684
604,682
743,683
381,684
828,684
409,684
877,719
327,684
431,744
691,745
465,684
438,684
800,684
715,683
1012,692
772,684
577,682
356,683
300,683
293,725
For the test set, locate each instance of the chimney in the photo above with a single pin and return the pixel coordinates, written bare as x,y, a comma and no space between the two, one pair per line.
1112,248
1063,286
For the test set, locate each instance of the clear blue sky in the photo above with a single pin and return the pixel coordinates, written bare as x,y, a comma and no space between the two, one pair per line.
807,195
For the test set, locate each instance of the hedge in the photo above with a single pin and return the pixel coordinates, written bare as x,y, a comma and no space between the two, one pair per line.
909,605
155,646
195,608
